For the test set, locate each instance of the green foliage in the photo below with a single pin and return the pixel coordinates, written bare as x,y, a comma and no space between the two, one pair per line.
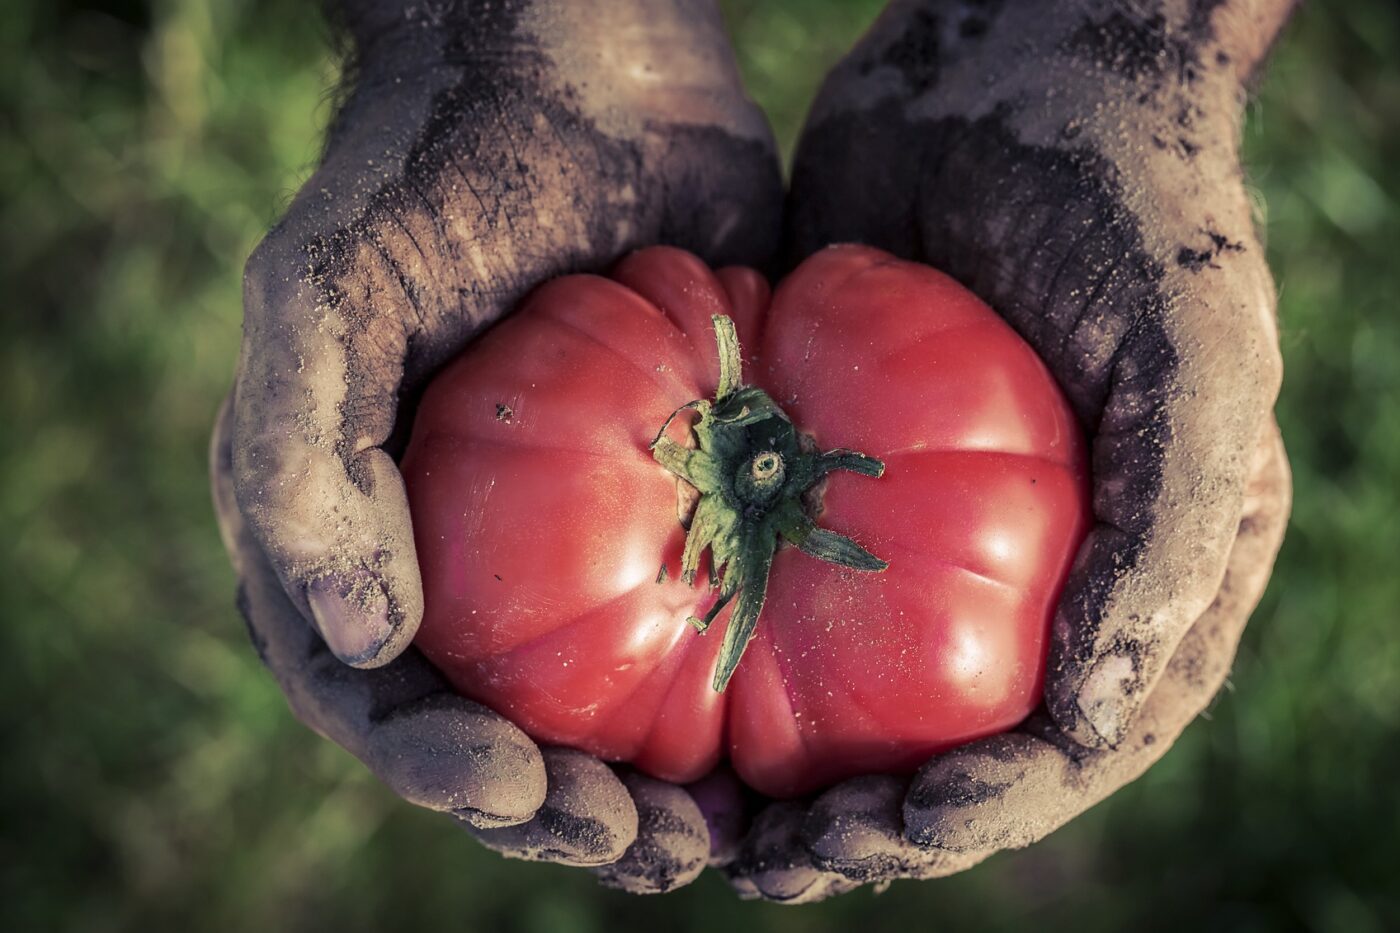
153,778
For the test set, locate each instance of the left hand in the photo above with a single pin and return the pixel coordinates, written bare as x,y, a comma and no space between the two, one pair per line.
485,148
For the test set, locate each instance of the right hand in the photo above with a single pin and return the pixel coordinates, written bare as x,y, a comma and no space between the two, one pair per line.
484,149
1079,170
1081,175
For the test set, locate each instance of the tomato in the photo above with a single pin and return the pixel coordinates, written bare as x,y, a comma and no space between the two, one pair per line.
551,541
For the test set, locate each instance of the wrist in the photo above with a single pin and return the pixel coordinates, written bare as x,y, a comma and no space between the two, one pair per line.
1246,31
1238,33
634,61
464,29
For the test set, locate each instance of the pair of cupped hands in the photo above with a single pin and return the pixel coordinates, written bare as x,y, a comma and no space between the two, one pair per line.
1076,167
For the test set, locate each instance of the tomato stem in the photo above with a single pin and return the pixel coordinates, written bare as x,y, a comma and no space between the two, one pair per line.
752,468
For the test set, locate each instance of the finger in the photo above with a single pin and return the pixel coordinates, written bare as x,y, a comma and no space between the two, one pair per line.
851,835
1003,792
587,818
856,829
1170,460
726,804
672,845
444,752
315,401
1008,791
226,513
431,747
774,864
1110,227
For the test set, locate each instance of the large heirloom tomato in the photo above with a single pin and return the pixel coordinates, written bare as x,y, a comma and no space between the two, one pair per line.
551,535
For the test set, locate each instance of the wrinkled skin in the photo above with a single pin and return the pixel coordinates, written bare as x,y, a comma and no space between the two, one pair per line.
1077,169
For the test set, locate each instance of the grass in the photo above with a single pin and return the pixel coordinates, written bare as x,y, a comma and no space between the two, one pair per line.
153,777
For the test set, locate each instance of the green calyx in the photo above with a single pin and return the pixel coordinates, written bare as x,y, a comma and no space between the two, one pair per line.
752,468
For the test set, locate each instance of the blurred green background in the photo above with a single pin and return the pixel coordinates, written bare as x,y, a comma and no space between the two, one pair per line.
152,776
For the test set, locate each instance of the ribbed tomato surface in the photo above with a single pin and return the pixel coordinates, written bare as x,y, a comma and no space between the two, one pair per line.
542,520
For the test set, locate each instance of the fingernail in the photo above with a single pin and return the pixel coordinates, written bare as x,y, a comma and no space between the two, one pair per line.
480,819
1103,700
1106,719
857,820
352,616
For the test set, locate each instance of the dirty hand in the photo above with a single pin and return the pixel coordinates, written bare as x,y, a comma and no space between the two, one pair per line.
485,148
1078,169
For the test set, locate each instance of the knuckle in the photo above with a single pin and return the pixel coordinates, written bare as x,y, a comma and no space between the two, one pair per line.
258,270
271,276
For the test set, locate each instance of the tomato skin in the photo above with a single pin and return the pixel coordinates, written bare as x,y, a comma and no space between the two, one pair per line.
541,520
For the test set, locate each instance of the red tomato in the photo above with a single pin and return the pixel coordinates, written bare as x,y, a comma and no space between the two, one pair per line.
542,520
